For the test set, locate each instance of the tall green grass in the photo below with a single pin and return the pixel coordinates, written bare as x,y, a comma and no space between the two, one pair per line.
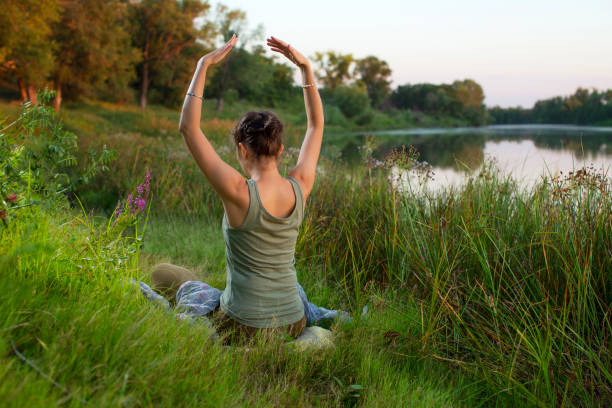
513,284
68,309
491,294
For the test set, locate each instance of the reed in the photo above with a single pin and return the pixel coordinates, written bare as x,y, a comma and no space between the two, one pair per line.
513,283
491,294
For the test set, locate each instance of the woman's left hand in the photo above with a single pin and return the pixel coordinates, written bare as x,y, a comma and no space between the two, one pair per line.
217,55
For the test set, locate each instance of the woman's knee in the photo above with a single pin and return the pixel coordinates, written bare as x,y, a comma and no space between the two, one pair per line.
161,274
166,275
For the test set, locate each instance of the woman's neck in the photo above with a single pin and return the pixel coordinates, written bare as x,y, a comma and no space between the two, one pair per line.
267,170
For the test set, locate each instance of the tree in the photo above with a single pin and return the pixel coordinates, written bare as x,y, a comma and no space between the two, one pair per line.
470,97
162,30
227,23
254,77
26,45
94,52
374,74
461,99
352,100
333,69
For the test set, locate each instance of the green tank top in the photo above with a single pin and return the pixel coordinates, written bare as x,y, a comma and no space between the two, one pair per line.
261,289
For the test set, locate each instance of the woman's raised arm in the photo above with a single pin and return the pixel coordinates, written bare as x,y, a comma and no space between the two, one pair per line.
226,180
305,169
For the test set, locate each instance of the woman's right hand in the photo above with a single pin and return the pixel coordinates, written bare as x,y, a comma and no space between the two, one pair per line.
288,51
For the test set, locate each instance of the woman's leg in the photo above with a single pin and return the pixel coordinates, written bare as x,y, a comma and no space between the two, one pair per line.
167,278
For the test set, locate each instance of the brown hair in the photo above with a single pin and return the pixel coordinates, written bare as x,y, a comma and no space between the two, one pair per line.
261,132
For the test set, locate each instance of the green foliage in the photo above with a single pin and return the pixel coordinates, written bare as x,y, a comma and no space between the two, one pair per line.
39,155
94,55
489,294
26,40
375,75
334,116
513,283
164,34
584,107
253,77
461,99
333,69
69,308
505,116
352,100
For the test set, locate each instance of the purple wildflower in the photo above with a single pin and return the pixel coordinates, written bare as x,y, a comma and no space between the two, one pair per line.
140,189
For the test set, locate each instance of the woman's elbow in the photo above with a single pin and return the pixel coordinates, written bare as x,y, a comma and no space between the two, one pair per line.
184,129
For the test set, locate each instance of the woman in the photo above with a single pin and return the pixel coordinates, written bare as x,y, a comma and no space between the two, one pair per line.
262,214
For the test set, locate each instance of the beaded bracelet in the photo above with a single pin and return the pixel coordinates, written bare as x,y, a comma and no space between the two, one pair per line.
308,85
197,96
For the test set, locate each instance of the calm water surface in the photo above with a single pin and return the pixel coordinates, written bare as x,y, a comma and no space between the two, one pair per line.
527,152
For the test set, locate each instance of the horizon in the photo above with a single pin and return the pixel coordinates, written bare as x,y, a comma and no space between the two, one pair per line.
531,51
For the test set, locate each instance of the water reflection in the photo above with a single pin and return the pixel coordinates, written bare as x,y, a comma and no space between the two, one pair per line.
526,152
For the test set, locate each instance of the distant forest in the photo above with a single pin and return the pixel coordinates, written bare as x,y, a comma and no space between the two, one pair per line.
144,51
584,107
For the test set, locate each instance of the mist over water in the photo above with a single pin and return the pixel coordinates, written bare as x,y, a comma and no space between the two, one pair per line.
526,152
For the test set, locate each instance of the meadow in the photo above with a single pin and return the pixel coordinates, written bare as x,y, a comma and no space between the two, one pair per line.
489,294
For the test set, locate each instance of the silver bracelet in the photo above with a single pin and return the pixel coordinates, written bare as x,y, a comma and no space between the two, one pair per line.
308,85
197,96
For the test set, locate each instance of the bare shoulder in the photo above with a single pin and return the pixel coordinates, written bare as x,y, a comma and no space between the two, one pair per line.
238,194
305,182
236,204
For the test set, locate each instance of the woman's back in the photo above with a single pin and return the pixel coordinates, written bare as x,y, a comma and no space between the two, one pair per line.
261,288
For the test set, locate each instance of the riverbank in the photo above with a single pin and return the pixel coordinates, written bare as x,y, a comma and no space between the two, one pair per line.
488,294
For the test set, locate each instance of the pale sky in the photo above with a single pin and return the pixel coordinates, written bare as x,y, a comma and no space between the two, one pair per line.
519,51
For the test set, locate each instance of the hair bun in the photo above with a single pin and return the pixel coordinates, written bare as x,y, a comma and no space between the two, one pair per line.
261,131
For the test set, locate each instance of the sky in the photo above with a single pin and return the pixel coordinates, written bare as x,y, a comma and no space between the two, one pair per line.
519,51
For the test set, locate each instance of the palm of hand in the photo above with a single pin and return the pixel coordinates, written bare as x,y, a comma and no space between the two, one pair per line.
217,55
287,50
274,43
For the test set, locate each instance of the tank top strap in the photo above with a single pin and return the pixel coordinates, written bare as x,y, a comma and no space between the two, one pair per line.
254,207
299,197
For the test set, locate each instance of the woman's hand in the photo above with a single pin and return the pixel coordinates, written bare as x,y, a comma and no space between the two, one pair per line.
288,51
217,55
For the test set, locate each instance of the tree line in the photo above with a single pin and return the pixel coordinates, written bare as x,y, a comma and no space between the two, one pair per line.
145,51
583,107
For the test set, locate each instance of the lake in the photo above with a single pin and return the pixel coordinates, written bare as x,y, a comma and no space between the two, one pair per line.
525,151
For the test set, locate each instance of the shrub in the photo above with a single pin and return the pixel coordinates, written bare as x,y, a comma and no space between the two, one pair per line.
38,158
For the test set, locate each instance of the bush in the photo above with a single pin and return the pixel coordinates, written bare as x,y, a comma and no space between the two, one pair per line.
352,101
334,116
38,158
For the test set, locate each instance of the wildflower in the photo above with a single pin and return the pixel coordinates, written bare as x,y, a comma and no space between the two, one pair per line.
118,211
141,204
12,198
140,189
3,215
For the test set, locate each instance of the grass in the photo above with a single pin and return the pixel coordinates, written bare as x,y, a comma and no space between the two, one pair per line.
486,295
513,284
89,331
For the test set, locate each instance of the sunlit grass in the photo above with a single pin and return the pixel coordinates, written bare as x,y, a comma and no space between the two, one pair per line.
488,294
74,316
